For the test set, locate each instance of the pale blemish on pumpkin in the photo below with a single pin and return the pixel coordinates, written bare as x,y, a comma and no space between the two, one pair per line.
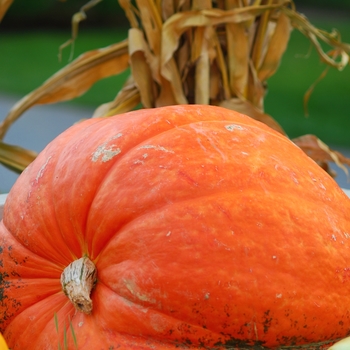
221,244
133,289
322,186
141,161
233,127
158,322
42,169
201,145
106,153
295,180
217,149
157,148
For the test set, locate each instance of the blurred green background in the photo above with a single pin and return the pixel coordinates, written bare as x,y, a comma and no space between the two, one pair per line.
32,31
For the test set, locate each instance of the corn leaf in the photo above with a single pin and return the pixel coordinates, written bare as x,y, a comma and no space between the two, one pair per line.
4,6
321,153
126,100
151,23
152,27
181,22
168,8
275,48
221,77
76,19
310,90
255,87
205,43
73,80
14,157
260,36
313,34
130,12
141,61
237,58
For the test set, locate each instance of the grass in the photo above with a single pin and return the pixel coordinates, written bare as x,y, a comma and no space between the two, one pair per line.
32,57
329,104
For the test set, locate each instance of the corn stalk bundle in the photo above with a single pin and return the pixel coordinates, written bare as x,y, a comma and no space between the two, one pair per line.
180,51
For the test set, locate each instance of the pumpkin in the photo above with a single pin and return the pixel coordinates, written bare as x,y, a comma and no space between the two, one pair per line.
175,227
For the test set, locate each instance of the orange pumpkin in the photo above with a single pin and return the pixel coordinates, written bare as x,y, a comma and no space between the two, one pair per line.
194,226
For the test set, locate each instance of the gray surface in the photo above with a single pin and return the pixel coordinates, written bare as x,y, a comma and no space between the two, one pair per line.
2,202
38,126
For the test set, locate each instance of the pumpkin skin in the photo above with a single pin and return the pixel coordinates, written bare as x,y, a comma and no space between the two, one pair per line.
208,230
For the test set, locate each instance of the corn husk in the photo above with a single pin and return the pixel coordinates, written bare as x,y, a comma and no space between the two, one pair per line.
180,51
14,157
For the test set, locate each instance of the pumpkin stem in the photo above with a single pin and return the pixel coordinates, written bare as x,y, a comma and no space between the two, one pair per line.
77,281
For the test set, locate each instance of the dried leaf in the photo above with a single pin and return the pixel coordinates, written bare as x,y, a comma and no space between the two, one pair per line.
168,9
221,64
206,55
126,100
304,26
310,90
179,23
237,58
76,19
201,4
249,109
73,80
215,84
140,56
130,12
15,158
176,25
183,5
152,26
255,88
260,35
275,48
4,6
182,57
171,93
321,153
151,23
126,104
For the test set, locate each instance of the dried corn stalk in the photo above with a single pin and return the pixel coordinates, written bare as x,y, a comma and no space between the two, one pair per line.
180,51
